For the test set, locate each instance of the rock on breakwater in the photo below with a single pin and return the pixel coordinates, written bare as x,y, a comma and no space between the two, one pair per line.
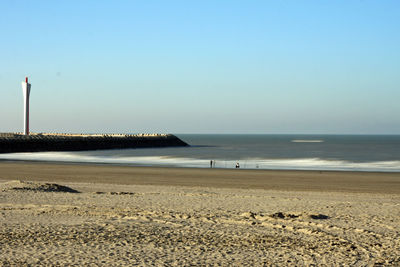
16,142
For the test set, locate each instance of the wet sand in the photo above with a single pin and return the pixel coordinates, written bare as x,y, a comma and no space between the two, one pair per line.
362,182
179,217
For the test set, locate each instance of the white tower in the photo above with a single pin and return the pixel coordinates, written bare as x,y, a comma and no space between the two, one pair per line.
26,89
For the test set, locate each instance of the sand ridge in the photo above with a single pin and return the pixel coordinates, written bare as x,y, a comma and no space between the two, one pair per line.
35,186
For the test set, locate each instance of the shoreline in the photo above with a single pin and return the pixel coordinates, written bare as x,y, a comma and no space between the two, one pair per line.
281,180
84,163
167,166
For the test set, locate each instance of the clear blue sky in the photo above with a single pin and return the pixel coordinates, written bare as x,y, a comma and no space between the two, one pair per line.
202,66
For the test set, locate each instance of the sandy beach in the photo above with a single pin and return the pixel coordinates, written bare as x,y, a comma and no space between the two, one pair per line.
90,215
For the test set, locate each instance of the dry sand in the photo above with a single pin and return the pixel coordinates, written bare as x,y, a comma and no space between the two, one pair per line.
165,216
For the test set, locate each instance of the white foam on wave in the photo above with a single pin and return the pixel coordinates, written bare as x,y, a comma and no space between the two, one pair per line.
307,141
255,163
78,157
321,164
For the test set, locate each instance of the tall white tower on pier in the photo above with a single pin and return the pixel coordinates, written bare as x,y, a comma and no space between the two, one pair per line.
26,89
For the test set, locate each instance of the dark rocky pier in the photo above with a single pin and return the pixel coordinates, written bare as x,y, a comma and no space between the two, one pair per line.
17,142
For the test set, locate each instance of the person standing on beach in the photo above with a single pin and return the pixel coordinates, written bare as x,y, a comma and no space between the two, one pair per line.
211,163
237,165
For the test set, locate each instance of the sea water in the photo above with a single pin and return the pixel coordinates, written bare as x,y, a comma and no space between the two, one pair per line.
286,152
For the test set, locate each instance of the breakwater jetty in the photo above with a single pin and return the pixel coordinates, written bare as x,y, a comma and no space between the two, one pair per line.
36,142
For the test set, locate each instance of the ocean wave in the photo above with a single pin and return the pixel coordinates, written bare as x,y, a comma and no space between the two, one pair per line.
324,164
251,163
307,141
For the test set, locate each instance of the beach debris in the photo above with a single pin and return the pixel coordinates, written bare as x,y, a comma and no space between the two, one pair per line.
278,215
121,193
114,193
18,185
281,215
249,215
319,216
